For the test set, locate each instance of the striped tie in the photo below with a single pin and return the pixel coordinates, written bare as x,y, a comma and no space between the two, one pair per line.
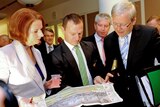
124,51
82,67
50,48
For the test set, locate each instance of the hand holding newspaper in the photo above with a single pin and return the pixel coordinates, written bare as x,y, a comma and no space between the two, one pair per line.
99,94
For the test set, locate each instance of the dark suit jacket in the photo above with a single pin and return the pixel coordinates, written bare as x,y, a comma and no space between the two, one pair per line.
100,66
144,47
46,58
64,62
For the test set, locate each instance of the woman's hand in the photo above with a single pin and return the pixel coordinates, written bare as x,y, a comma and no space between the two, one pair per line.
26,102
54,82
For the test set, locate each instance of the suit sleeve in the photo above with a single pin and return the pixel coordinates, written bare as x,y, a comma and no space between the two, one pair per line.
4,69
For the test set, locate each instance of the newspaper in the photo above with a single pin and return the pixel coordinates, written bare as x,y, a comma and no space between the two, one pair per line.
99,94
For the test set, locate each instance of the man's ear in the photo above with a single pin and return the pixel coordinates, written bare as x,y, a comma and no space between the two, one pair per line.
134,20
95,25
62,29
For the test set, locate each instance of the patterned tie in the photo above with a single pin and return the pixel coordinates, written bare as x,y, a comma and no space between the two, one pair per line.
50,48
82,66
124,51
103,54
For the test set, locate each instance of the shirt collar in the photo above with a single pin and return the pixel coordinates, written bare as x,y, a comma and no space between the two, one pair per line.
71,47
48,45
97,38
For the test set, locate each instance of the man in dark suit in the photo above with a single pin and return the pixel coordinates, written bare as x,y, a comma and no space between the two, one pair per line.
45,48
102,25
154,21
134,47
65,59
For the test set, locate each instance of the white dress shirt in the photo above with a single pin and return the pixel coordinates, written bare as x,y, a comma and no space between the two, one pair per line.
122,40
100,47
47,47
72,49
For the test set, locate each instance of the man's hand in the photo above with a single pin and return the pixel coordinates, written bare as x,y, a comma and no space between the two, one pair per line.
98,80
109,75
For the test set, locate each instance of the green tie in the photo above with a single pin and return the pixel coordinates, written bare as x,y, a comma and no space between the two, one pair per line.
82,66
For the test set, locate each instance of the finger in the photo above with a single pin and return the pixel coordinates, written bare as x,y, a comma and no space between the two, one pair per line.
108,76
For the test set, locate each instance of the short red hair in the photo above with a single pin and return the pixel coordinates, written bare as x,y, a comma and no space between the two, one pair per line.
20,23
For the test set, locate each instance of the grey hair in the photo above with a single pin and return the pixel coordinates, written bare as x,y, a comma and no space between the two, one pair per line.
102,16
123,7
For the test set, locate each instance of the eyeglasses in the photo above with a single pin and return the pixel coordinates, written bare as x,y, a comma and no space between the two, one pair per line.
123,26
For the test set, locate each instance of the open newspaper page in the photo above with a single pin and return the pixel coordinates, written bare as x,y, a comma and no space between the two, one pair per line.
99,94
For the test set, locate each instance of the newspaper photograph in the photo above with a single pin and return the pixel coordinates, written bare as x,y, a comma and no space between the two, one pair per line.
99,94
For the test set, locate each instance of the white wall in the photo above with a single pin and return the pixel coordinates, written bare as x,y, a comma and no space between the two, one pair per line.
54,15
3,26
72,6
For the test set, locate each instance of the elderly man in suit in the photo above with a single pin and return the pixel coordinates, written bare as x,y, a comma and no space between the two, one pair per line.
65,57
102,25
134,47
154,21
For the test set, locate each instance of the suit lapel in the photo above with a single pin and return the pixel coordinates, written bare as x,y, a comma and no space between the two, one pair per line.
45,48
39,61
112,51
28,65
84,48
133,44
94,40
68,58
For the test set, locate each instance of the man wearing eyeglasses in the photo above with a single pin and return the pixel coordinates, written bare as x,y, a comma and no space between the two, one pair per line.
134,47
